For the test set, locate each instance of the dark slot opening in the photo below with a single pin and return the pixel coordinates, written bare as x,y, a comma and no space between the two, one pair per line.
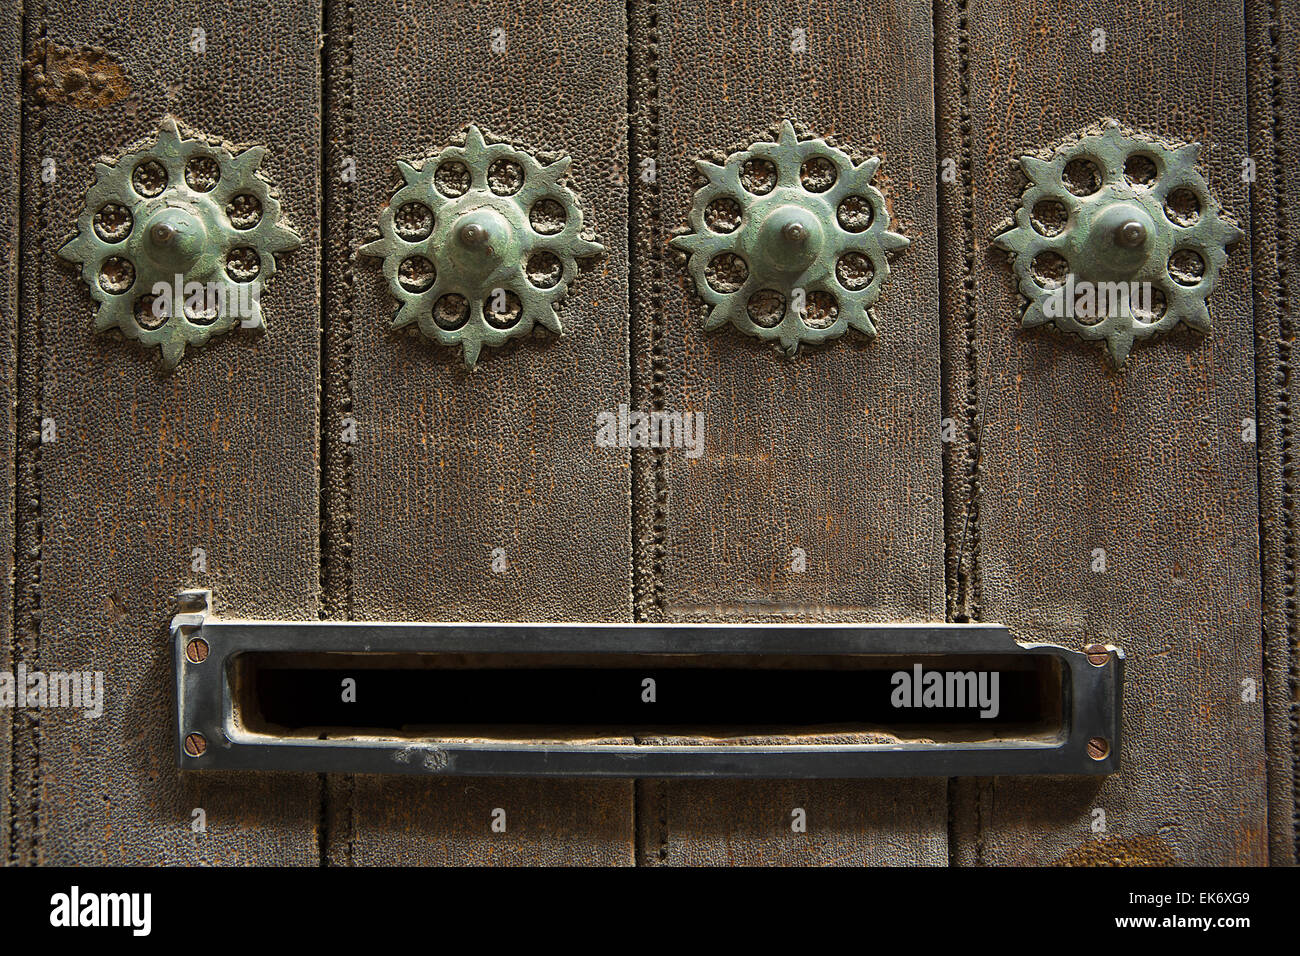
520,697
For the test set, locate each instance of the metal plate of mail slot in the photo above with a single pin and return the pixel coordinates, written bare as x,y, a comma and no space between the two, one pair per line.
869,668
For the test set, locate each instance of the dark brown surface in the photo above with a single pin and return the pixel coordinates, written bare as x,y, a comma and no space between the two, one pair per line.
1148,464
10,120
836,452
1273,48
450,464
221,454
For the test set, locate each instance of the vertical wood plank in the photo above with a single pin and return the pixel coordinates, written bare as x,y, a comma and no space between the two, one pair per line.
451,464
1148,463
221,454
836,452
10,167
1273,71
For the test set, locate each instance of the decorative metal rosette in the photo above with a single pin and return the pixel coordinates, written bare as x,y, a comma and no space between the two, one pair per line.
790,241
480,243
1117,239
176,240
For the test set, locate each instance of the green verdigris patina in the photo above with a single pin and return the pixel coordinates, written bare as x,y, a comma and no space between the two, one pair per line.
790,241
480,243
176,240
1117,239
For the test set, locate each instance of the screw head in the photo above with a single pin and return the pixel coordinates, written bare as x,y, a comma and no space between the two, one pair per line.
162,233
795,232
1130,234
1098,748
472,234
1098,656
196,651
195,745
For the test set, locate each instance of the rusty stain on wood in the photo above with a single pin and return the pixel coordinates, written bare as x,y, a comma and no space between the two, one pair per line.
83,76
1120,851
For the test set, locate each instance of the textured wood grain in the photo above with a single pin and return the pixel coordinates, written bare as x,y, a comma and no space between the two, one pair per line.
836,452
1148,464
221,454
10,123
1273,52
849,823
450,464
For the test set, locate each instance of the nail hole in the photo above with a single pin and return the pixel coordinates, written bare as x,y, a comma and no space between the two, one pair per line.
1049,217
723,215
149,178
243,264
1140,170
820,310
1152,313
113,222
766,307
547,217
758,176
855,271
544,269
1049,269
1183,207
855,214
817,174
508,316
415,274
116,275
245,211
413,221
726,272
451,311
1081,177
1186,267
202,173
505,177
144,314
451,179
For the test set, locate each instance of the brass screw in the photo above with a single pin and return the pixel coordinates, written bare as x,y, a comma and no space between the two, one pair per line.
1098,748
1097,654
195,745
196,651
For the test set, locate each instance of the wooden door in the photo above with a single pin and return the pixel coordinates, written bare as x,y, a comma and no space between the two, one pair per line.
954,467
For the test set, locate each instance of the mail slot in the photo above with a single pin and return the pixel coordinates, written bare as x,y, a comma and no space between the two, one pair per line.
647,700
535,696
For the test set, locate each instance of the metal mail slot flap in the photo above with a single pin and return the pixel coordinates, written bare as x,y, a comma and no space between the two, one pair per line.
638,700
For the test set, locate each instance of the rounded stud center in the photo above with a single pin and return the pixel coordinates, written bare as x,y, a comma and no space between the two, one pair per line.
175,238
1131,234
1117,244
790,238
481,241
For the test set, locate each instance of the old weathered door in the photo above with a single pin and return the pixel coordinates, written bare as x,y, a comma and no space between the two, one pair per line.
954,466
